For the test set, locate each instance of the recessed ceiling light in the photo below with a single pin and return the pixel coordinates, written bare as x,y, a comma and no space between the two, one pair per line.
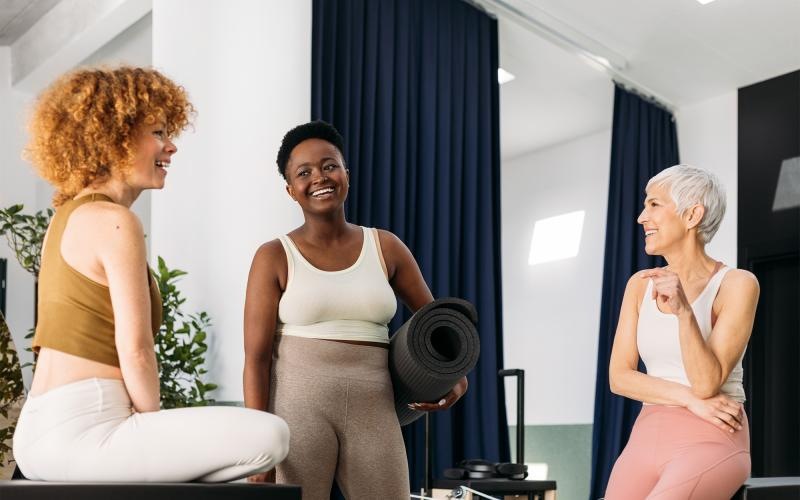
705,1
504,76
556,238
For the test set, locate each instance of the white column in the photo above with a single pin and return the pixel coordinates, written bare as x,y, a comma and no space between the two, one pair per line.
247,68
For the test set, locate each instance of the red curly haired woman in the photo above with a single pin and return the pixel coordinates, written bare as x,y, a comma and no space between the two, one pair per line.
101,137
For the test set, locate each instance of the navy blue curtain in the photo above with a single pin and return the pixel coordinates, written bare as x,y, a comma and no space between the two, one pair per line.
412,87
643,142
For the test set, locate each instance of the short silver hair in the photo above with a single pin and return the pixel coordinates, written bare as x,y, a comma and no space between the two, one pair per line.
693,185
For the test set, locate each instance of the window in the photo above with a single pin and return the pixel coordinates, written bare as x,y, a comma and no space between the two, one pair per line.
556,238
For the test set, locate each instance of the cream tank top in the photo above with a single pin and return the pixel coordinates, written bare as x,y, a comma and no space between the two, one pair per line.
659,346
356,303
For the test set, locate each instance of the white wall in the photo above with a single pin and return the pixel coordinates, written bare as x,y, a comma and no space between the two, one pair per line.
708,138
551,311
17,185
248,71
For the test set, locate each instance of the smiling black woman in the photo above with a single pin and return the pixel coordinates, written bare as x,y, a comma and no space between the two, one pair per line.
319,300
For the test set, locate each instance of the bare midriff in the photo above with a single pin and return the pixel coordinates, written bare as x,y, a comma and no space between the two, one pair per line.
56,368
360,342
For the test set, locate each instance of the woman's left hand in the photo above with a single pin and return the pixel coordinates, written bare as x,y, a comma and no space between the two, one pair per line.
447,401
667,290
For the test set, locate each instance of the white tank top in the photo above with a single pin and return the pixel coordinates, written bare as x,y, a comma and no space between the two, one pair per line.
659,346
356,303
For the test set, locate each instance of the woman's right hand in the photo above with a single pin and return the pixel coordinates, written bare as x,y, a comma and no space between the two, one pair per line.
264,477
720,410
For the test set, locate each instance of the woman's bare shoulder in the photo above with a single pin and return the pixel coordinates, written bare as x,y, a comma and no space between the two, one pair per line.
105,216
636,287
103,227
270,261
270,251
739,281
638,281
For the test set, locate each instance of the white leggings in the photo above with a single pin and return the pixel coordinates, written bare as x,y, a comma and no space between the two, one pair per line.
88,431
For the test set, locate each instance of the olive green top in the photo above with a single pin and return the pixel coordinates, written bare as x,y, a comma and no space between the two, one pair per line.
75,313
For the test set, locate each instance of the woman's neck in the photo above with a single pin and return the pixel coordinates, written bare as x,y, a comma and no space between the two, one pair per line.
116,189
691,262
324,228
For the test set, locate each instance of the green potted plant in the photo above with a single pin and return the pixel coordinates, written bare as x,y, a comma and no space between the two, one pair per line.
25,234
180,346
11,397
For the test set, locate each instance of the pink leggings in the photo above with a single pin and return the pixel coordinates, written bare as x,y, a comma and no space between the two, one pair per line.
672,454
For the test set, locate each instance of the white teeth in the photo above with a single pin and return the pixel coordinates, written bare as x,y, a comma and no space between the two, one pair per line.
648,233
162,164
322,191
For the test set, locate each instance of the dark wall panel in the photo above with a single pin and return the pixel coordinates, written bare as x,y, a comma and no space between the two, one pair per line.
769,246
769,133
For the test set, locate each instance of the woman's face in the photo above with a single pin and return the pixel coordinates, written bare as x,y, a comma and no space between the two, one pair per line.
316,177
154,151
662,225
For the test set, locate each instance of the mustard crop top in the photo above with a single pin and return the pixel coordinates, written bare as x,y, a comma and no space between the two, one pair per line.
75,313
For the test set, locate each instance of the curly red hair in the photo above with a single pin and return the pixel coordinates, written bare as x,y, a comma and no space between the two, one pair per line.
85,125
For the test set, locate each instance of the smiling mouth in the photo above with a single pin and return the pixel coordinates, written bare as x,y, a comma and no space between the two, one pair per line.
650,233
162,164
321,192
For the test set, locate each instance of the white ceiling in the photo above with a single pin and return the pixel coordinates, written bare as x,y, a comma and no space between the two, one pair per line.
681,50
17,16
678,49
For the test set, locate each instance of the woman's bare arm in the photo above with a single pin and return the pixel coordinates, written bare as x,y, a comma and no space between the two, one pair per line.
624,377
260,318
121,251
709,362
406,280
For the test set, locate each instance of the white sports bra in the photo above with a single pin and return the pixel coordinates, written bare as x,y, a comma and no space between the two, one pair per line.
659,346
356,303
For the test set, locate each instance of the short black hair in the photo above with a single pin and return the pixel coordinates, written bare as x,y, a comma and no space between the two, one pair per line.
317,129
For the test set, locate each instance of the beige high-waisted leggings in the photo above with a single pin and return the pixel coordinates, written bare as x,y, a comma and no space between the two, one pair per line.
338,401
88,431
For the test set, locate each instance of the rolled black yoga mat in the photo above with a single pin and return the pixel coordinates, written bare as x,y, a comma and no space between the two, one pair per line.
431,352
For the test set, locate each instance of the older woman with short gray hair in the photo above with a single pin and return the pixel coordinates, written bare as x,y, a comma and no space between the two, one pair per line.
689,322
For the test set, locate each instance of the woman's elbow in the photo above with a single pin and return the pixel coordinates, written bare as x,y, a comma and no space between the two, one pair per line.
614,382
707,386
705,390
136,357
256,363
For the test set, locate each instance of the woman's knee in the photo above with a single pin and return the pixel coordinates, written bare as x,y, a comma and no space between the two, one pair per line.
270,435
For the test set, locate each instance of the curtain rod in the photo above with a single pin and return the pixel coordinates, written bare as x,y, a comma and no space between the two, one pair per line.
613,64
